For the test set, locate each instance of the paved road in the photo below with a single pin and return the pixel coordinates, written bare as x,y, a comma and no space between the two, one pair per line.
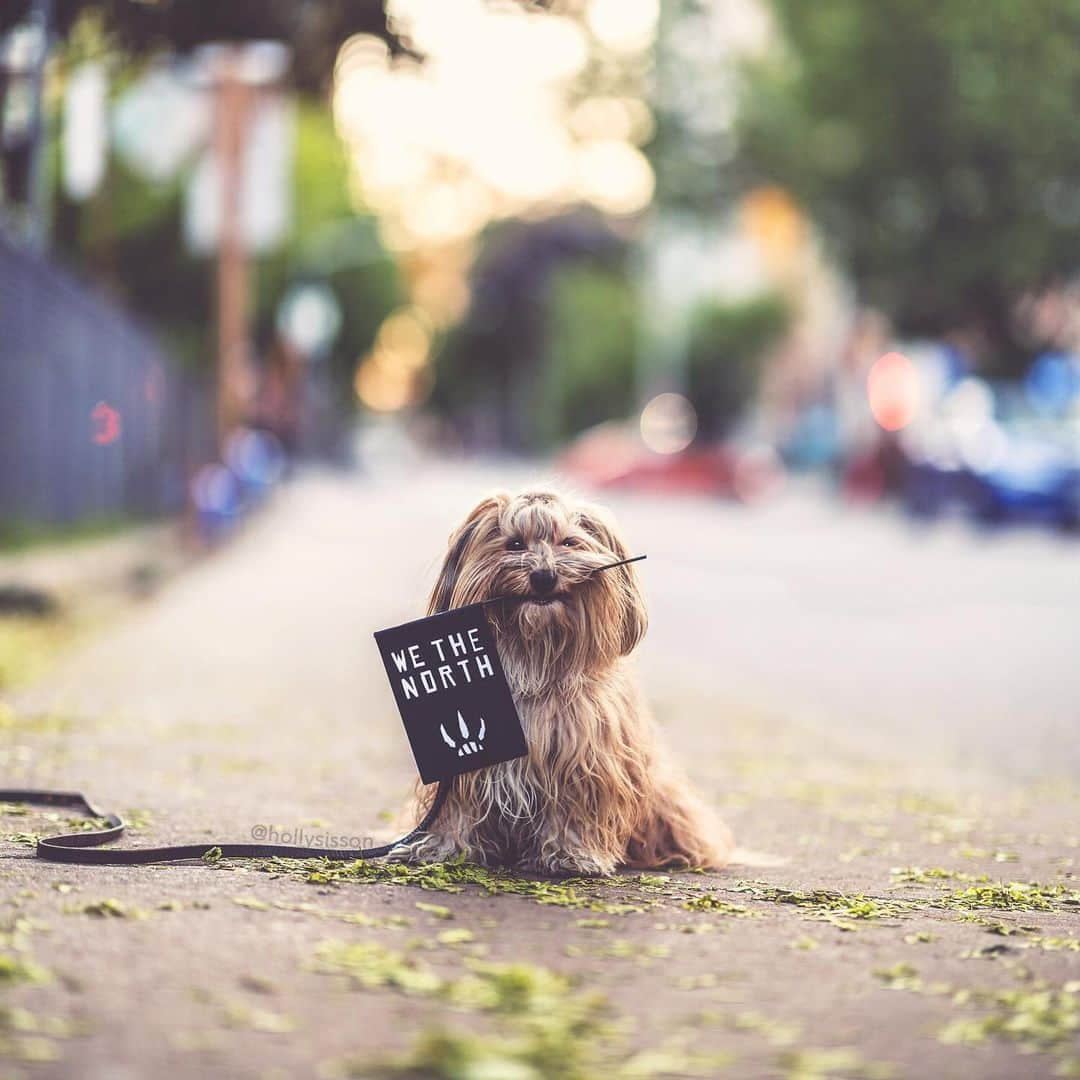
822,674
932,638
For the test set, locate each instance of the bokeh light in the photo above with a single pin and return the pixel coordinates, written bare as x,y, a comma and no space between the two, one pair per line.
775,222
615,176
892,387
384,387
668,424
625,26
624,118
309,316
106,424
215,490
493,123
405,337
758,473
256,457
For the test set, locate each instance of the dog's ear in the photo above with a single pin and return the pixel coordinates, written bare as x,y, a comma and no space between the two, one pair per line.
635,619
480,517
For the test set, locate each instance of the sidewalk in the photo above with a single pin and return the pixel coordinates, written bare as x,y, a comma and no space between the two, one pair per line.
880,937
132,559
54,594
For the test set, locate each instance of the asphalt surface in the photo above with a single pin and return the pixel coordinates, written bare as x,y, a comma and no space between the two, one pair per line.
877,710
929,637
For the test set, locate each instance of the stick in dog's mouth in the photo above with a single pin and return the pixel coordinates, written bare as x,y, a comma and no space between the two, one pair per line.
552,599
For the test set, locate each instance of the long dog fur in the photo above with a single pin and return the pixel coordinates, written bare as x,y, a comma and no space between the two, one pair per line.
597,790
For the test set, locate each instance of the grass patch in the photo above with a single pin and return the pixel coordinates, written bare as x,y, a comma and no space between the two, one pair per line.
21,969
574,893
838,1062
438,910
621,949
719,906
545,1028
1036,1020
1013,896
934,875
106,909
1054,944
21,534
14,724
28,645
457,936
842,910
370,966
901,976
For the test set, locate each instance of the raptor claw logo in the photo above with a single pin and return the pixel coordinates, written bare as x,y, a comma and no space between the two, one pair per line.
468,745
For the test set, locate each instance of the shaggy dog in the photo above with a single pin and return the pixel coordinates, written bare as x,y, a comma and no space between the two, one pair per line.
596,790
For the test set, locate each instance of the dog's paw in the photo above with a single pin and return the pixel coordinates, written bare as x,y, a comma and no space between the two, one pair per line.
571,864
428,849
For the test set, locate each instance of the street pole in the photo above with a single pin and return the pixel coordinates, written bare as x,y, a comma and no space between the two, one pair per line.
233,100
37,187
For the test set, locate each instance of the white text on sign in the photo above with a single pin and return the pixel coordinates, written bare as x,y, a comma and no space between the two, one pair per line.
461,659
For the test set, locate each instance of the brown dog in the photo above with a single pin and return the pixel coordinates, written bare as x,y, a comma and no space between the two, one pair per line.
596,790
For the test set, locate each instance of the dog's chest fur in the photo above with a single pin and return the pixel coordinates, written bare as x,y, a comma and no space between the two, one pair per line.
572,733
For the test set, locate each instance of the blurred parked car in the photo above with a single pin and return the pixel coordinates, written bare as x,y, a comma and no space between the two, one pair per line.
996,457
614,456
1037,477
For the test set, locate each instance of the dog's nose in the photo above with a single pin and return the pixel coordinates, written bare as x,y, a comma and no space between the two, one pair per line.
542,581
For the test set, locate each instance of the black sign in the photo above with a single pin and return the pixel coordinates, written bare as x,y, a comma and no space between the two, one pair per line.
452,693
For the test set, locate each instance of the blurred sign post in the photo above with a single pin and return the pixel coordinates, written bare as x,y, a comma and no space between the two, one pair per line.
238,196
233,103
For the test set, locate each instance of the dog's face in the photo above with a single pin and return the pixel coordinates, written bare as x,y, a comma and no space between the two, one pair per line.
541,552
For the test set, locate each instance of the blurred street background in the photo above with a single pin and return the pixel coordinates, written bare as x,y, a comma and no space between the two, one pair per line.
807,272
706,246
287,285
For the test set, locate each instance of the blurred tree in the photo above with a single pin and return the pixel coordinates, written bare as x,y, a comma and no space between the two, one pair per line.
590,347
728,342
315,29
489,374
936,144
330,242
129,237
693,89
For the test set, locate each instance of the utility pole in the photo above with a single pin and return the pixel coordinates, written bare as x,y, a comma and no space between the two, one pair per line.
37,189
233,98
238,77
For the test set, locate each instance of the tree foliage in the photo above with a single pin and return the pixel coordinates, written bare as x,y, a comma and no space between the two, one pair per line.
315,29
935,143
728,342
491,372
591,346
128,237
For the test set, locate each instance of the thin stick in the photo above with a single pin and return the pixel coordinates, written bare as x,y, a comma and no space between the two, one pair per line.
596,570
621,562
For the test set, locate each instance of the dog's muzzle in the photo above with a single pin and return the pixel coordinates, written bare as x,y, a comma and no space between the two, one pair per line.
542,582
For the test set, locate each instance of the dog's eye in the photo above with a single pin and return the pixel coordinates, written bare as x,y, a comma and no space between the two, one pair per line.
515,543
571,542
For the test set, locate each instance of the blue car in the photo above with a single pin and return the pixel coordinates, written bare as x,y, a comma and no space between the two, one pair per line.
1037,478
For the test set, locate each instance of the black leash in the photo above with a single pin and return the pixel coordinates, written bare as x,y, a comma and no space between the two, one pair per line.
73,847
